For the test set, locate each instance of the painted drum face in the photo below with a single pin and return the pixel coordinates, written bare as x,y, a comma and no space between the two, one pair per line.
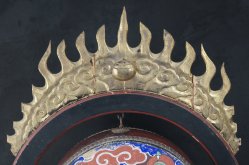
126,150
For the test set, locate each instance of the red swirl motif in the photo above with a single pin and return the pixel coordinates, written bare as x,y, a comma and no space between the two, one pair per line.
122,154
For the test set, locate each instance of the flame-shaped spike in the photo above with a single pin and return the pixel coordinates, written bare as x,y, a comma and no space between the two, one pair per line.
17,125
43,68
102,47
66,64
186,64
11,139
206,78
122,33
235,142
145,39
168,46
37,92
229,110
219,95
25,108
234,127
80,44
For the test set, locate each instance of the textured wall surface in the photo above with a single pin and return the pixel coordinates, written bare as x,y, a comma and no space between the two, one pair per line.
26,26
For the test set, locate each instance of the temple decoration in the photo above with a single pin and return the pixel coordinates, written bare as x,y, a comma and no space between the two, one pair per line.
122,68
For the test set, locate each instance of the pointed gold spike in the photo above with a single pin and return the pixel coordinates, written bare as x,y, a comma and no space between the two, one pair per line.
187,62
145,39
80,44
122,32
229,110
168,46
25,108
17,124
38,90
37,93
236,143
234,127
10,139
219,95
66,64
205,79
43,68
102,47
14,149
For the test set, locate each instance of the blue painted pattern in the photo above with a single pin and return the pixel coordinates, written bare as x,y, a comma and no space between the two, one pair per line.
148,149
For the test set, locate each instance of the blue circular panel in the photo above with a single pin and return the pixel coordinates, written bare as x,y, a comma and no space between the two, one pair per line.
126,150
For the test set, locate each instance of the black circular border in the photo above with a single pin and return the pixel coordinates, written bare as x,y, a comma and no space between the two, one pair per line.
137,102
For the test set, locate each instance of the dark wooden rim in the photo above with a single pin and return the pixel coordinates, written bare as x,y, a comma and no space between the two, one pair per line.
164,98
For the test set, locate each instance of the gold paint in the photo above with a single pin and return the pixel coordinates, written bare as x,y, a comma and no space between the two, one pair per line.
123,70
122,67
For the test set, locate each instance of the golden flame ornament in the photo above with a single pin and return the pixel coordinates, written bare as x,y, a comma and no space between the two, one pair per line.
122,67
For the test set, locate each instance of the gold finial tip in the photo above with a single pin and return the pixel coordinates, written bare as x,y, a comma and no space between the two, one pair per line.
223,65
202,48
49,45
62,43
123,20
123,13
124,10
165,31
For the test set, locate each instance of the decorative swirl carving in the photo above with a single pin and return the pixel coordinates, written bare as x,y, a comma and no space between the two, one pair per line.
121,68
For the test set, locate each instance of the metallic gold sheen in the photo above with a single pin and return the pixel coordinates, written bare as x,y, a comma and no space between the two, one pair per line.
122,67
123,70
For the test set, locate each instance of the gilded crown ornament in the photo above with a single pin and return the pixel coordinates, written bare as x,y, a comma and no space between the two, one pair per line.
125,68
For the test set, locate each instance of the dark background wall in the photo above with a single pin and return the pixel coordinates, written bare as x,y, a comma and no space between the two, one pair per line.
26,26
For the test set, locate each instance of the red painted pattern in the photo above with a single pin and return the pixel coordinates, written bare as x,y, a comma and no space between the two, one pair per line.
122,154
